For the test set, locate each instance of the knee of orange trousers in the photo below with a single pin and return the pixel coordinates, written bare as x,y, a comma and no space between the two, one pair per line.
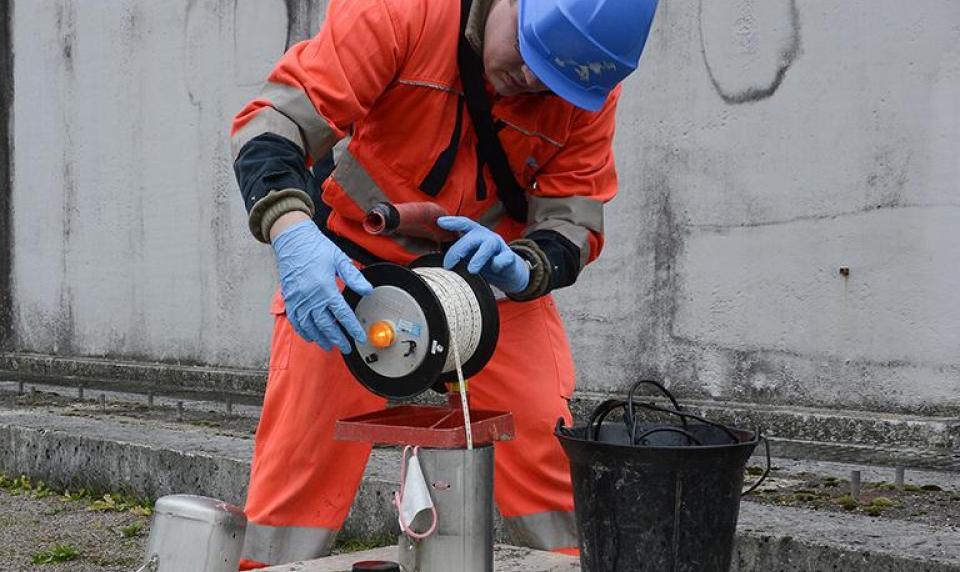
300,476
530,375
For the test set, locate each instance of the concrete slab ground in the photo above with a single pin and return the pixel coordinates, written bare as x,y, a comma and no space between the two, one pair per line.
768,540
506,559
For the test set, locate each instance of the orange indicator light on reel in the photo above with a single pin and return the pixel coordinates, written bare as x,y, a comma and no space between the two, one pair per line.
381,334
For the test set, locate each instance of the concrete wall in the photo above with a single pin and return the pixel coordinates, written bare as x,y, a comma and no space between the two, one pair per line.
763,146
130,236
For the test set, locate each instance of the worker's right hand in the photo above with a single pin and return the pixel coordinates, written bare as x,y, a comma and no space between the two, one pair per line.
309,264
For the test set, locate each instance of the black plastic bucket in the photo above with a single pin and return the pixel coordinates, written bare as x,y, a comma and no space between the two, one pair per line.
656,496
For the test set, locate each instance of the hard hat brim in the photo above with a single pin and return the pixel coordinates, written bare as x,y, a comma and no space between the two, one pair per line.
580,96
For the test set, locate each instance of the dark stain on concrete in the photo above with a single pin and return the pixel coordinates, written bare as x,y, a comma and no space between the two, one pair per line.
64,326
888,178
788,55
6,175
668,237
66,26
303,20
65,323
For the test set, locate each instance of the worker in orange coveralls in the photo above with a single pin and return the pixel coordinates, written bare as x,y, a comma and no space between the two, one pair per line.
387,74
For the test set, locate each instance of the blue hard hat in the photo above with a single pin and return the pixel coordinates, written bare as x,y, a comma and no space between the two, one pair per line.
581,49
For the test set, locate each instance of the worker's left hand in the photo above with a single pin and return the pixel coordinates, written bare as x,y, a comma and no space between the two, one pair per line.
487,254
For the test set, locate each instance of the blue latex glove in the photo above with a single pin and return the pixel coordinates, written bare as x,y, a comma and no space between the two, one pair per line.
309,265
488,254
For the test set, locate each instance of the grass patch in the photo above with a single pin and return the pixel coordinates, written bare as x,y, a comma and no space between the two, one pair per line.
95,501
115,502
56,553
882,502
23,485
872,510
132,530
354,544
847,502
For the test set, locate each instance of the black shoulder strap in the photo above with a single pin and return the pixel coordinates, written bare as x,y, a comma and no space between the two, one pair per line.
512,195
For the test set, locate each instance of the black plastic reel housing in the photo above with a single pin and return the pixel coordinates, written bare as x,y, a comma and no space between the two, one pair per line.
430,372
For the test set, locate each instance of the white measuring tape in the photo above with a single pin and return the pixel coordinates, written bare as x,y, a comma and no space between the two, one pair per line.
465,323
462,309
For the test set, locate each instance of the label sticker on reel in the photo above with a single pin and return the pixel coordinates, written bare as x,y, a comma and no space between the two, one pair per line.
408,327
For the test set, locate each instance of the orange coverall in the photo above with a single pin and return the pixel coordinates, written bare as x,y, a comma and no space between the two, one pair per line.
385,73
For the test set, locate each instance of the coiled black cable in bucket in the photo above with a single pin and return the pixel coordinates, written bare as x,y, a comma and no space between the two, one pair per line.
654,495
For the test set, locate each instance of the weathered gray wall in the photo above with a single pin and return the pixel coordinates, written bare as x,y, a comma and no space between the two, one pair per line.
130,238
763,145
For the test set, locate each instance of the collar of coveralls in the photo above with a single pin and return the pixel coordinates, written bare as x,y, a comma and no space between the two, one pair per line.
477,22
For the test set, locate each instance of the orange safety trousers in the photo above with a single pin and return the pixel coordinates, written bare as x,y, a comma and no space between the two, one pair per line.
303,482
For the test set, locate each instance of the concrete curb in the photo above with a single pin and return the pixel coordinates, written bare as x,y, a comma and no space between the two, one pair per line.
833,435
814,424
150,376
786,539
163,458
841,435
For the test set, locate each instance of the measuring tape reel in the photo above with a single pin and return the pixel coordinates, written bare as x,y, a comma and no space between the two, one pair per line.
413,318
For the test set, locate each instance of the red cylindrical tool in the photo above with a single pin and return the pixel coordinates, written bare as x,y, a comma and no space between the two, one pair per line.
409,219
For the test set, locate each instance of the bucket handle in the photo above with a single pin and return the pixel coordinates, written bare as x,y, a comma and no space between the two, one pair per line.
658,385
686,434
628,419
608,406
766,472
683,415
599,414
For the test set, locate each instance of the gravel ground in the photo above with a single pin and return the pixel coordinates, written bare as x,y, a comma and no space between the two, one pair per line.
103,541
927,504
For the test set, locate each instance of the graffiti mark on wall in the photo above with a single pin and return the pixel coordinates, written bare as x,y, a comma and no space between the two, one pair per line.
749,47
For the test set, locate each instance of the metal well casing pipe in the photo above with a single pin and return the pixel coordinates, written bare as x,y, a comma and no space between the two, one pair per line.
461,485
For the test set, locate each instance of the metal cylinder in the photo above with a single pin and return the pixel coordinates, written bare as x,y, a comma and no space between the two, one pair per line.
195,533
461,485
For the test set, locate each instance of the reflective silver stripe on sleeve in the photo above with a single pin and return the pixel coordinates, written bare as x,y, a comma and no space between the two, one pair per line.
267,120
543,530
354,179
572,217
282,544
363,190
294,103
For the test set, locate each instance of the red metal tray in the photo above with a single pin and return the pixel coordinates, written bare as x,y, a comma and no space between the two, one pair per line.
426,426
